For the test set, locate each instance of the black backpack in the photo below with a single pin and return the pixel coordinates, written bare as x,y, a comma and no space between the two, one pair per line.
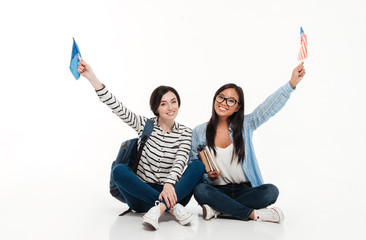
129,156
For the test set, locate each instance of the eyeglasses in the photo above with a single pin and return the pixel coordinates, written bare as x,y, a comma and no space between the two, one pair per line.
229,101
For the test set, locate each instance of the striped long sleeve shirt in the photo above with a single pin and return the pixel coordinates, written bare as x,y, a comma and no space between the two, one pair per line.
164,156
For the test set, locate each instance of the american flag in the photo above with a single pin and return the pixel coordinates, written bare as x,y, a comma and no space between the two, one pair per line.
303,53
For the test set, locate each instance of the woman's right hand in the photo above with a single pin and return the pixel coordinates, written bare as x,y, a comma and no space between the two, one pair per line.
214,175
86,71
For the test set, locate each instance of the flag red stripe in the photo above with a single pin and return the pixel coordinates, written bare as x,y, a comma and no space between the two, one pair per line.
303,53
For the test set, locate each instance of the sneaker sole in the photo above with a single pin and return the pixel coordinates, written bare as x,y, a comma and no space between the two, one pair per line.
204,210
187,220
151,223
280,214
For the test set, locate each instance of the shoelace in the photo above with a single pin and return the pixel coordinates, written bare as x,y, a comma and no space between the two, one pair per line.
215,213
180,210
265,214
211,211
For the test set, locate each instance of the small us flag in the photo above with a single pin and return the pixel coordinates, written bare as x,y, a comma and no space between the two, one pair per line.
303,53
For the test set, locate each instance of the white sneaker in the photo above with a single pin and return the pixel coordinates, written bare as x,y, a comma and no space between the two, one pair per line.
209,212
269,215
151,218
181,214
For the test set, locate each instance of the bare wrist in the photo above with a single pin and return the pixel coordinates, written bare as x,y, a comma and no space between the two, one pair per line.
96,83
292,84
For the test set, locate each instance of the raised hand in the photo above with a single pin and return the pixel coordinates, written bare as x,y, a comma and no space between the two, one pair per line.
297,74
86,71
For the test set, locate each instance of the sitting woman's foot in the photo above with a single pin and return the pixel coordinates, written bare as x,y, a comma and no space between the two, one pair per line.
181,214
269,215
209,212
151,218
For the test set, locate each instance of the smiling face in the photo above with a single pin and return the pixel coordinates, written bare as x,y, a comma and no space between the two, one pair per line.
168,108
222,109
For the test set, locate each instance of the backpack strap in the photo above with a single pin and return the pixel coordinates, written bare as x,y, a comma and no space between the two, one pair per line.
149,126
125,212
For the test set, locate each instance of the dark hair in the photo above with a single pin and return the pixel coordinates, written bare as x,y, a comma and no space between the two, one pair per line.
236,120
156,96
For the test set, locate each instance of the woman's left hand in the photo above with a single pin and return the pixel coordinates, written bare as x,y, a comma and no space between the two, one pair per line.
213,175
297,74
169,195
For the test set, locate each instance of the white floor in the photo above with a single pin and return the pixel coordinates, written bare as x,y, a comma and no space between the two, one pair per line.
198,229
72,213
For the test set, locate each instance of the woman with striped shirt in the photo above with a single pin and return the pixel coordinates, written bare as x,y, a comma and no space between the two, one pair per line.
237,189
163,181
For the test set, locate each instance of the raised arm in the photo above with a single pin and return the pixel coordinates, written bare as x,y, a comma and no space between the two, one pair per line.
297,74
86,71
276,101
133,120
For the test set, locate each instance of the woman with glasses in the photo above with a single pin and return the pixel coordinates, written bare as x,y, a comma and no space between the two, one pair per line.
237,188
163,181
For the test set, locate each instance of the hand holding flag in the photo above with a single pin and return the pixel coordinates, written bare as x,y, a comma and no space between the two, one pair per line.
297,74
85,70
303,53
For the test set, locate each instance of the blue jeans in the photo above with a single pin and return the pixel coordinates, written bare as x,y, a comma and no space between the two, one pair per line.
237,200
141,196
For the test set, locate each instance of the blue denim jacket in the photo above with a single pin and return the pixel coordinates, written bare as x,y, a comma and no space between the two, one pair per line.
260,115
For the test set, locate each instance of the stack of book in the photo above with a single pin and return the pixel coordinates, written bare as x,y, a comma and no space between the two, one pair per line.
207,159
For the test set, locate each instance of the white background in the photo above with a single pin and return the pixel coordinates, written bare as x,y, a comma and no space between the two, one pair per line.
57,140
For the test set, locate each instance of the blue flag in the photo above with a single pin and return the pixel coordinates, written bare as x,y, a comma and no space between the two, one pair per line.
74,60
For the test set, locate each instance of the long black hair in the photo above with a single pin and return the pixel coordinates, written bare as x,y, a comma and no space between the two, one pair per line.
156,96
236,120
